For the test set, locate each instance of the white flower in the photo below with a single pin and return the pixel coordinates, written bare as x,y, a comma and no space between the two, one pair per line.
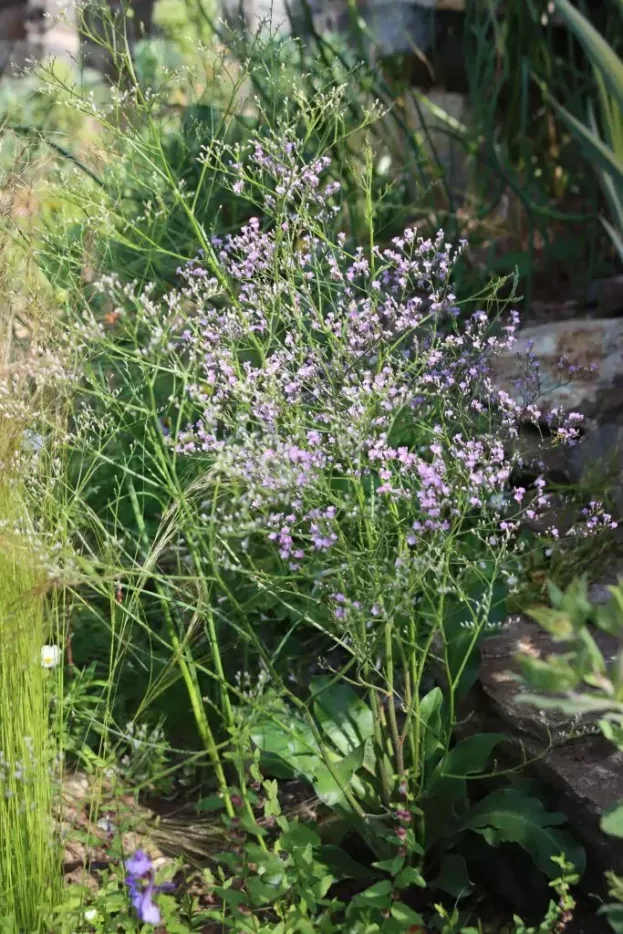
91,914
50,656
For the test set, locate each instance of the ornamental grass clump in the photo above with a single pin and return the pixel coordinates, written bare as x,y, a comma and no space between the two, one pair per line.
30,880
29,857
299,468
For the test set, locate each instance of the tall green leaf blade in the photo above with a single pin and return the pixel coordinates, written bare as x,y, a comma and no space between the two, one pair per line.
611,115
508,816
600,53
614,194
442,115
615,236
593,146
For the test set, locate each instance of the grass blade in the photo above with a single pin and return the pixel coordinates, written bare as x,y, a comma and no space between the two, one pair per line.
594,148
600,53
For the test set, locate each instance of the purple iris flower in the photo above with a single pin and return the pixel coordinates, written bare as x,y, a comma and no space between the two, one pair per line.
142,888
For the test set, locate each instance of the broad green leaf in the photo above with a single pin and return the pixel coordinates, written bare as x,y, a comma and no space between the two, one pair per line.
369,757
410,876
330,789
231,897
249,824
212,803
472,755
299,835
430,704
377,895
342,865
507,816
405,915
600,53
441,802
342,714
614,914
453,877
430,716
391,866
292,742
388,766
322,886
612,820
263,891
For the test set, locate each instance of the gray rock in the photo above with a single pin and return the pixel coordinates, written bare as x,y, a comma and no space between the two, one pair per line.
599,459
396,25
609,576
537,454
606,295
595,462
594,348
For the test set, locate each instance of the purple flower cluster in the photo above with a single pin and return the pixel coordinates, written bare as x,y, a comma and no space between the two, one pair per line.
286,179
142,887
341,410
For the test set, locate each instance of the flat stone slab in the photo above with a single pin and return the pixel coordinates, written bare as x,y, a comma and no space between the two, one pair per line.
585,773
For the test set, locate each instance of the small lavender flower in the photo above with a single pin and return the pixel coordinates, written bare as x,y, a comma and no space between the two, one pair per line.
142,887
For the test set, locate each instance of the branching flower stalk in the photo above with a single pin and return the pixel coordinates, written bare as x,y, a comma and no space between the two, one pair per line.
187,669
188,666
326,436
